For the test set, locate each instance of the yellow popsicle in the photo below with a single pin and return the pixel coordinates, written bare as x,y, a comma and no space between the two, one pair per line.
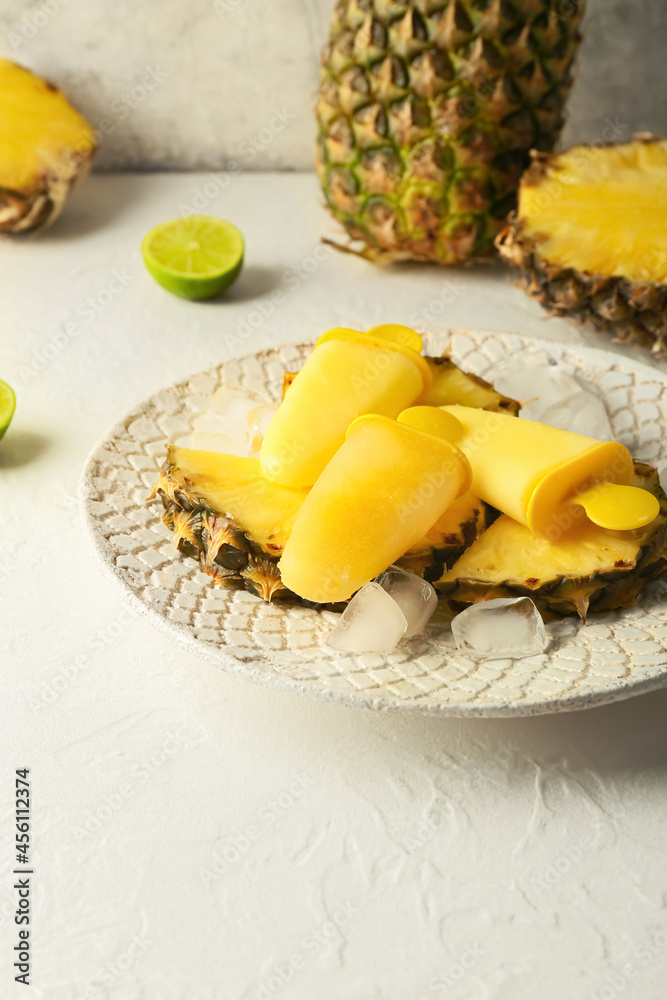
348,374
546,477
381,492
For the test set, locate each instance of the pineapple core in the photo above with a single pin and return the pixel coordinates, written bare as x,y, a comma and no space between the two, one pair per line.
41,135
602,210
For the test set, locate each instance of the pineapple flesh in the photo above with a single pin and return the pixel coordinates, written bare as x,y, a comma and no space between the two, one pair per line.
464,521
45,147
224,513
427,112
449,385
590,569
590,237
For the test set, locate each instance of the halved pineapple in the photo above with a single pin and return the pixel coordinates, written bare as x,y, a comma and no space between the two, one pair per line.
223,512
450,385
590,237
589,570
45,147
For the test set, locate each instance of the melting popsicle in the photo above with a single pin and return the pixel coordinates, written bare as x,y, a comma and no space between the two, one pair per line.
381,492
348,374
543,476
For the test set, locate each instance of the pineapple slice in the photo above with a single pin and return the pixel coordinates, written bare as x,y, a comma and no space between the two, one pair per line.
450,385
45,147
464,521
591,569
590,237
223,512
261,510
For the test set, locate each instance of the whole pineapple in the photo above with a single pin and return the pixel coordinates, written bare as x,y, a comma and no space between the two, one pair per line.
427,112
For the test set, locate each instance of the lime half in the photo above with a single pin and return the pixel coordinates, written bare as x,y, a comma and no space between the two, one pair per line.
7,406
195,257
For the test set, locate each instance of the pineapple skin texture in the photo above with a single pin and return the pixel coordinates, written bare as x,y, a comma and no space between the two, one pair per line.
204,530
45,148
596,587
234,559
629,310
426,115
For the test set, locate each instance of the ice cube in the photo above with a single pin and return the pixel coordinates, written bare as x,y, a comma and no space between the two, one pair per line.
233,404
232,438
227,422
582,412
526,360
505,626
229,412
371,623
662,473
415,597
210,441
538,388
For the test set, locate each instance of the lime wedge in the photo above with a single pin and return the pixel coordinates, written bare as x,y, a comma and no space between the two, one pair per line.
195,257
7,406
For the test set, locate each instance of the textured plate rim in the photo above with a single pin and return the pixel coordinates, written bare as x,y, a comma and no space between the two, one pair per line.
624,689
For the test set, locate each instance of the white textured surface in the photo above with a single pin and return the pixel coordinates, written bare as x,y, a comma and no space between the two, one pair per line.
197,83
615,655
182,83
535,846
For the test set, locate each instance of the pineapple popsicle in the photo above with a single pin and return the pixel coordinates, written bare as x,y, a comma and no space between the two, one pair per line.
348,374
542,476
381,492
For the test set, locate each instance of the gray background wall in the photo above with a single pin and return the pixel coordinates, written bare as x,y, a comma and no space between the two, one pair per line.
183,84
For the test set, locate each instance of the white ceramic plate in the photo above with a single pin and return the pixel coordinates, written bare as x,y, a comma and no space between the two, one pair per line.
614,656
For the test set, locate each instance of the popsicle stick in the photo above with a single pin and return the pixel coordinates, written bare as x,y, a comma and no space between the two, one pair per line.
619,508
